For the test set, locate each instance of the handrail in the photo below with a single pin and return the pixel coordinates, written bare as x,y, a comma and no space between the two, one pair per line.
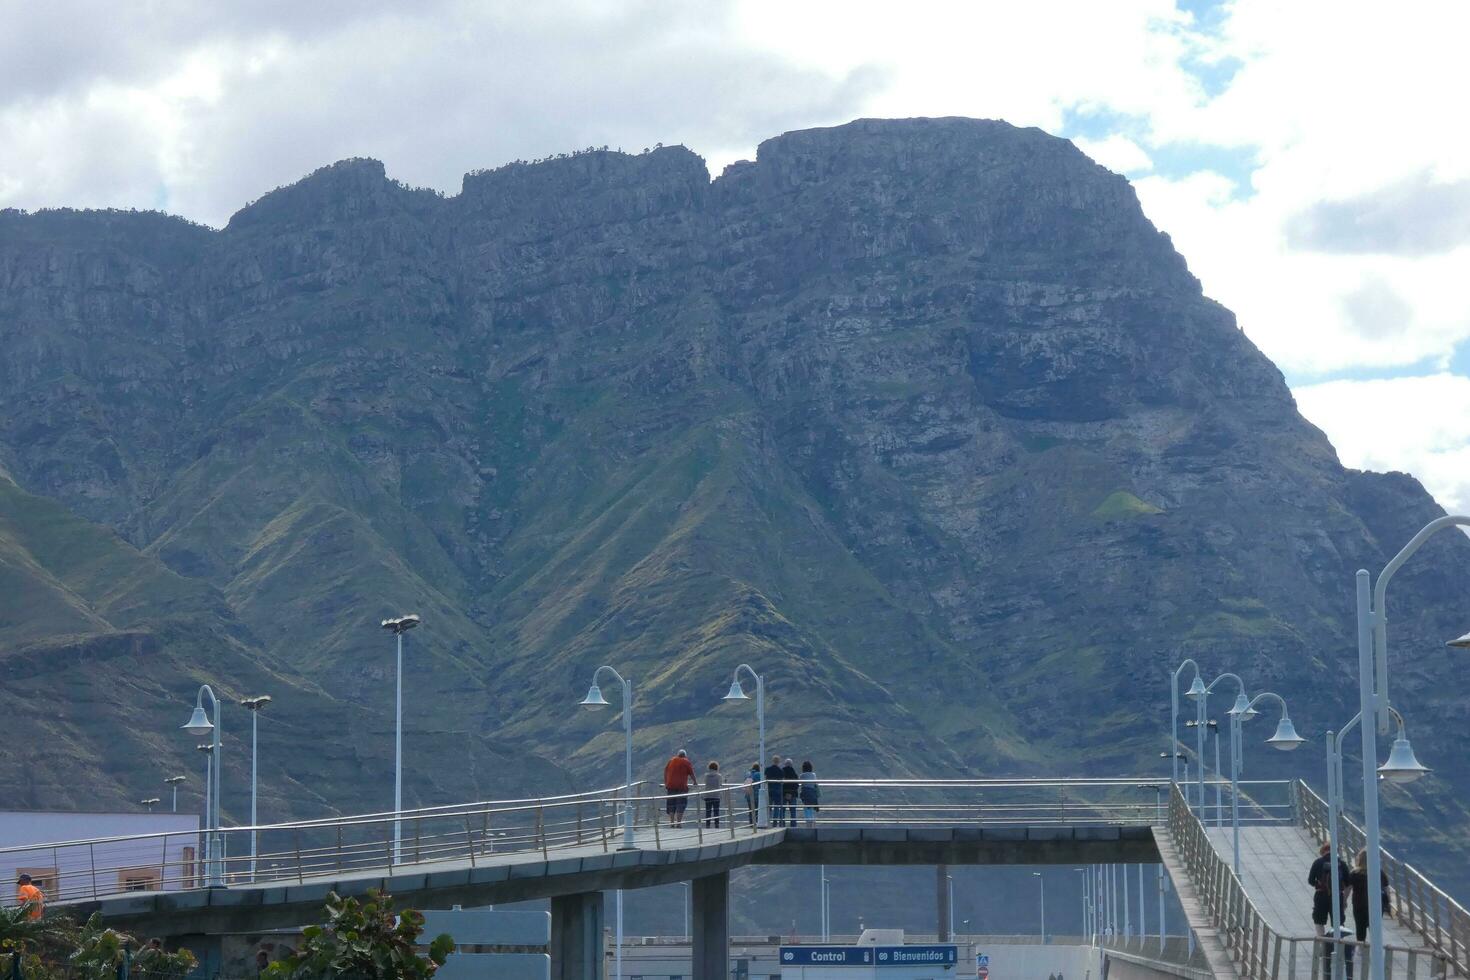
1256,948
364,844
1421,905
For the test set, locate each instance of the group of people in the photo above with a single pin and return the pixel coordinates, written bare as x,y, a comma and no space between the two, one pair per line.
1353,883
784,786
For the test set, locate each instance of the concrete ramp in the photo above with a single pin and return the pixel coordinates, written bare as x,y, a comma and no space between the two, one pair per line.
1205,931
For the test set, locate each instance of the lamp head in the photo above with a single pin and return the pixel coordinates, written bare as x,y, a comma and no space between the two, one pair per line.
1401,766
150,801
401,624
1242,708
1460,642
1197,689
199,723
175,780
594,697
1286,739
736,693
255,704
206,747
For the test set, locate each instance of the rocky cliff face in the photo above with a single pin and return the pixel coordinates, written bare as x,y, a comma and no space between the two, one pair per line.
921,418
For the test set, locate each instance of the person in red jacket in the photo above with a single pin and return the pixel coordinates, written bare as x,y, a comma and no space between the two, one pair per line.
678,777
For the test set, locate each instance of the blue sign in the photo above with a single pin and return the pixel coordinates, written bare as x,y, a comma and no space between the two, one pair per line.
918,955
827,955
869,955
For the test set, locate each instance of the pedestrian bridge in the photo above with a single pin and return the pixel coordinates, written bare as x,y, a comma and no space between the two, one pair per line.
571,848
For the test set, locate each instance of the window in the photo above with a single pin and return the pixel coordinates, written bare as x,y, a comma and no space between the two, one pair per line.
189,870
138,879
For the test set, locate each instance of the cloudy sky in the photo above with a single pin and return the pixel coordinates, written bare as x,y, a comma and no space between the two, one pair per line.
1310,159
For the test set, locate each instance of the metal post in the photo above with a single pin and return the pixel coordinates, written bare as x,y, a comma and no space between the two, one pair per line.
1142,915
1334,787
1127,919
398,756
1370,627
762,811
1200,708
254,782
1219,806
1235,791
1163,922
826,909
618,935
628,777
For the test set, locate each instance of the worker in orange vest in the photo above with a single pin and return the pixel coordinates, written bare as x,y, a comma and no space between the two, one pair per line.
26,893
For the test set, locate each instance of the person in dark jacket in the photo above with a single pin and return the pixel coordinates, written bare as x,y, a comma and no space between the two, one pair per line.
790,790
752,790
1319,876
1358,884
774,793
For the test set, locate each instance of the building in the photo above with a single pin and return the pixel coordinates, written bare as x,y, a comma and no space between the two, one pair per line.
167,861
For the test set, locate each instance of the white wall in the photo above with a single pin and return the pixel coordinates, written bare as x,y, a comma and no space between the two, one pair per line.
165,860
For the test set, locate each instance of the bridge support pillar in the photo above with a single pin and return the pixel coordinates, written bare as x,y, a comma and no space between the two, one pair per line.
576,937
711,925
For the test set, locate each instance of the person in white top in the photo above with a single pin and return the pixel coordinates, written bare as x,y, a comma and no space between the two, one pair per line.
811,795
714,785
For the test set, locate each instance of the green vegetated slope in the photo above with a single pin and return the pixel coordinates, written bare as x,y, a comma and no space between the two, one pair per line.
922,419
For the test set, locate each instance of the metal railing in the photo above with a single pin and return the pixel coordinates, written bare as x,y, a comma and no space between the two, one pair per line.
506,830
1258,951
1419,905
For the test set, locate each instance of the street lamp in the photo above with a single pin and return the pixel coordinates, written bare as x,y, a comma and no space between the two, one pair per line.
174,782
1213,727
1202,703
254,706
199,724
1039,878
149,802
1196,691
1087,905
1284,739
398,626
737,693
1373,704
1401,767
595,699
949,886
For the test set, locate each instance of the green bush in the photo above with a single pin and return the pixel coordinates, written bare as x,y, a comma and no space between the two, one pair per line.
363,941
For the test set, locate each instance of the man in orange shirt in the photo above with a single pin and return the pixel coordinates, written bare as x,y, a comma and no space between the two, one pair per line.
26,893
678,777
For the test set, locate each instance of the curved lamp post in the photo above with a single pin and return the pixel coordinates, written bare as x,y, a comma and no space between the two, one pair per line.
199,724
1401,767
737,693
1196,691
1202,703
594,699
398,626
1284,739
1373,704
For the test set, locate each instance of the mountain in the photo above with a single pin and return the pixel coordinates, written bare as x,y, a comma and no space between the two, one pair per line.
921,418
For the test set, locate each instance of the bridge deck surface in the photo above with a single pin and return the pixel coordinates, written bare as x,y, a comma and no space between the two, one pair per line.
1273,869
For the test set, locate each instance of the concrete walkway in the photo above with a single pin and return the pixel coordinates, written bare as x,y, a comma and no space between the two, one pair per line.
1273,868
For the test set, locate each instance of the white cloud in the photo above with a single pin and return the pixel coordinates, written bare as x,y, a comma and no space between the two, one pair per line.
1416,425
1118,153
